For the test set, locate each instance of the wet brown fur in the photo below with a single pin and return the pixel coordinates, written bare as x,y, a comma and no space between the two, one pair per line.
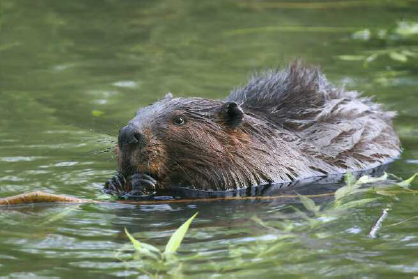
296,125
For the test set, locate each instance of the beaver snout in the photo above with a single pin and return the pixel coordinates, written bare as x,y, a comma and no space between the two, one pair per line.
129,135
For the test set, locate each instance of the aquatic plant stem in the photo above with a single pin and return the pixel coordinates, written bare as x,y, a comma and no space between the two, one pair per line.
404,221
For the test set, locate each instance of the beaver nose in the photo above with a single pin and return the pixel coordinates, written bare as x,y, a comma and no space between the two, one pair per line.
129,135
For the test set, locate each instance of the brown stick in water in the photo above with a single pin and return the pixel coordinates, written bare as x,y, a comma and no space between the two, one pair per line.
38,196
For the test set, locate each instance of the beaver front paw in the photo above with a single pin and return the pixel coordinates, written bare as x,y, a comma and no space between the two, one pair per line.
142,185
139,185
116,184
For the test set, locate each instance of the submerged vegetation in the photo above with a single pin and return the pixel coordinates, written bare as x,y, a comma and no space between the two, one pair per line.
148,257
288,230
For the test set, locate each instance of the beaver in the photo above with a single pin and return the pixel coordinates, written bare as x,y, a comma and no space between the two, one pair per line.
284,125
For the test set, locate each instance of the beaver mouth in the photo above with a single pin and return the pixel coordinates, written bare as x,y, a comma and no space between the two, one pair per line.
134,159
127,169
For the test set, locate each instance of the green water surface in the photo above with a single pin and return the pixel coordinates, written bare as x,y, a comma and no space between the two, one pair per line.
73,72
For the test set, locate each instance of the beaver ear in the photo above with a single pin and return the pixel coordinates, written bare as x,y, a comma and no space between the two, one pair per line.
232,114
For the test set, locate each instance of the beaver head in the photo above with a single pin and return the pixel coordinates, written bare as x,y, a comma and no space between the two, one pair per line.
192,142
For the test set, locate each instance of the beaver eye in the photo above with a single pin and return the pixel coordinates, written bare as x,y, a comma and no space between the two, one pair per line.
179,120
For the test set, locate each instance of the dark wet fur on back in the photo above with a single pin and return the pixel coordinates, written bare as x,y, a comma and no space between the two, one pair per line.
283,126
345,128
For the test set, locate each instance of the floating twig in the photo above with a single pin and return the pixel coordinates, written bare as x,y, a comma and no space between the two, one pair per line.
378,224
38,197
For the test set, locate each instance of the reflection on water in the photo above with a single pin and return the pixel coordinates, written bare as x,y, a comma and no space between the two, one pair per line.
73,72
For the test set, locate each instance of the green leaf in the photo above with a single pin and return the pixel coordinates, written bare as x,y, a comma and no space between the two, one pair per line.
273,249
351,57
368,179
136,243
407,183
356,203
349,189
362,35
144,248
353,186
97,113
349,179
370,58
309,204
384,193
398,56
409,53
301,213
177,237
150,248
406,28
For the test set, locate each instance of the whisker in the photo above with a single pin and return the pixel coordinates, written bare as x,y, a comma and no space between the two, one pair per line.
107,140
99,151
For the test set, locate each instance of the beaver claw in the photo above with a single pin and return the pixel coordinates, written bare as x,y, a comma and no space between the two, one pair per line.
136,186
115,184
142,185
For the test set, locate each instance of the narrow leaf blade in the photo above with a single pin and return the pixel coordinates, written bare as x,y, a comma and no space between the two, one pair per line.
398,56
177,237
407,183
368,179
309,204
137,245
356,203
349,179
351,57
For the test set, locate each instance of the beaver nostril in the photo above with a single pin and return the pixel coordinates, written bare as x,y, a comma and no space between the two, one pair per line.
137,137
129,135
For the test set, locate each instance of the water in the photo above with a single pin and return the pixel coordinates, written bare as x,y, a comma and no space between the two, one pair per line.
73,72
